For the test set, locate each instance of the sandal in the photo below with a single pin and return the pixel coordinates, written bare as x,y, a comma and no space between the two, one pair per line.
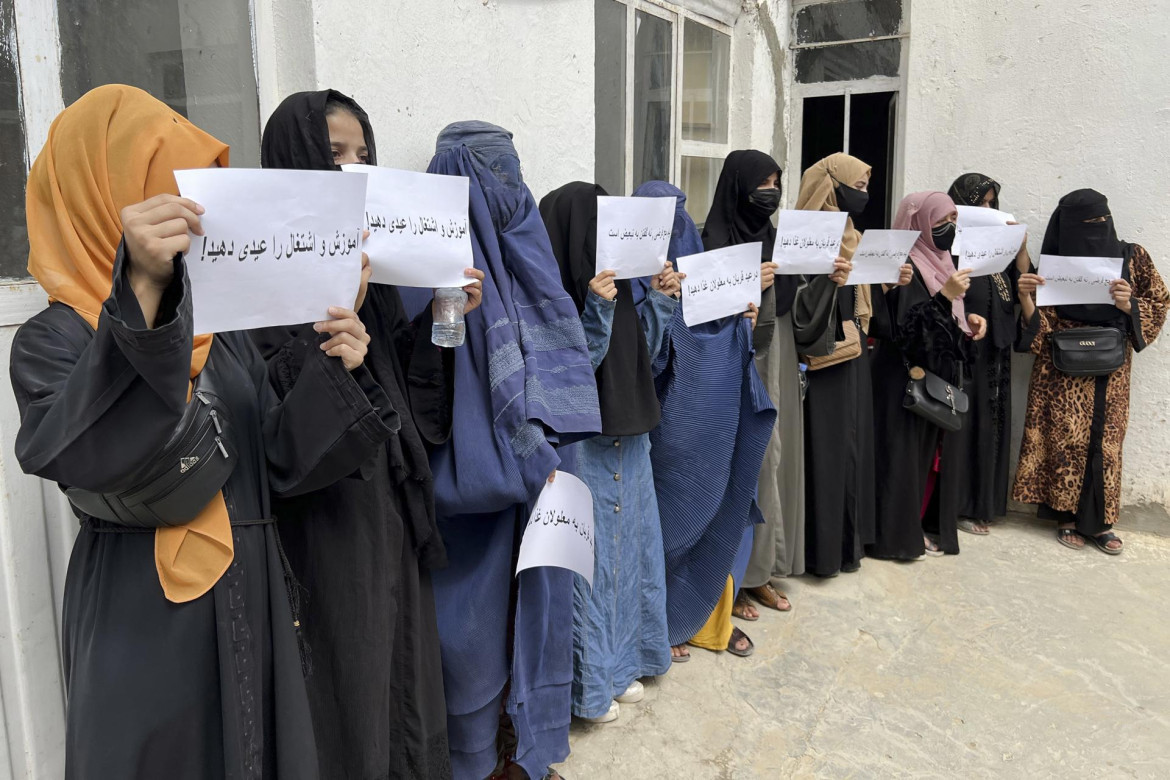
770,597
737,635
680,658
972,527
1102,541
739,610
931,546
1066,535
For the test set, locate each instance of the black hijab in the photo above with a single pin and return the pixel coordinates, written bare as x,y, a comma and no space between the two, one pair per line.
1069,235
625,382
971,188
732,222
297,137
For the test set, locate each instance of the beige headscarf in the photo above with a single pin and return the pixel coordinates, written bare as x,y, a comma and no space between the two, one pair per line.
818,193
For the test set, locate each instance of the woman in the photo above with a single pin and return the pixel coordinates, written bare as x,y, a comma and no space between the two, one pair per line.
838,409
1070,458
708,505
523,377
746,196
364,547
200,677
619,627
928,328
982,444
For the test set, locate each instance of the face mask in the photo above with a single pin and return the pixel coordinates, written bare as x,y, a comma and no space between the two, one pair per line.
850,199
943,235
763,203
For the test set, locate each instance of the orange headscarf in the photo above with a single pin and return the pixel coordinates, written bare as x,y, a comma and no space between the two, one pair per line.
117,146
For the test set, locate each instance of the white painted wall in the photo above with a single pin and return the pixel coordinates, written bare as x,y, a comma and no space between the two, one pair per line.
1046,97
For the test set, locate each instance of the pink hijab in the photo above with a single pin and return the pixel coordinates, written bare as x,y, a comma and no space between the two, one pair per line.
919,212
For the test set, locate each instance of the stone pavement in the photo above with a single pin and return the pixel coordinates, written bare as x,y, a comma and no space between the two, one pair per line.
1017,658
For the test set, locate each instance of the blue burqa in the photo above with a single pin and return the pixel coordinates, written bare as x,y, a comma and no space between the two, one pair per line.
707,450
523,381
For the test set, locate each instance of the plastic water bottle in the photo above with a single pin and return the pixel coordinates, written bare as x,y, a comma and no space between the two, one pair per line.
448,328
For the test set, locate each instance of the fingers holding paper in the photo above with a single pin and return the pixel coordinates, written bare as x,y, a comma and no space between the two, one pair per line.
604,286
349,338
474,290
669,282
1028,284
767,275
752,314
841,270
1122,295
905,274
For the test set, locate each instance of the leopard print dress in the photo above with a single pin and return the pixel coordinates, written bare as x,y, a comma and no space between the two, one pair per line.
1058,425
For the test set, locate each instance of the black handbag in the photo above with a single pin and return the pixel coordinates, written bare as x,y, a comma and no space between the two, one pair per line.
186,474
1088,351
934,399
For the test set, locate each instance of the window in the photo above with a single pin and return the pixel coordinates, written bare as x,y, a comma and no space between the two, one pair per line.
13,159
663,75
848,57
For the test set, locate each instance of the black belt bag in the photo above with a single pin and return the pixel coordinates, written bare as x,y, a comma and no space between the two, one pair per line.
185,476
1088,351
933,399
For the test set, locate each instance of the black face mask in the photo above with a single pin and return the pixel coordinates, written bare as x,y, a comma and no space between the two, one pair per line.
943,235
851,200
763,203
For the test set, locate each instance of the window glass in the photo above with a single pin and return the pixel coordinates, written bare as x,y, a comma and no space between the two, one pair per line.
699,176
849,61
194,55
13,233
822,129
609,93
705,80
653,64
848,20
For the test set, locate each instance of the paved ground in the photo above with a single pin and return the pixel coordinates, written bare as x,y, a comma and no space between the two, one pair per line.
1018,658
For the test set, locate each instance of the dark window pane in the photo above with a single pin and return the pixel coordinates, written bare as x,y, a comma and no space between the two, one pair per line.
13,234
653,69
848,20
195,57
609,95
822,129
848,62
871,138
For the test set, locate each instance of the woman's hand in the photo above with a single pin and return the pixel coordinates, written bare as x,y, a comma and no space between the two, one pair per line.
905,275
604,286
552,477
1027,285
767,275
1122,295
155,231
752,314
349,337
474,290
841,269
957,285
669,282
978,326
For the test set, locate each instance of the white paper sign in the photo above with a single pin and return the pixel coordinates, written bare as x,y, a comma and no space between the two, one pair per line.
879,257
1075,280
720,283
279,247
989,250
418,227
560,530
977,216
807,242
633,235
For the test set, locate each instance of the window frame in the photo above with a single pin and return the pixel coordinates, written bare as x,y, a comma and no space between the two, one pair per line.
679,148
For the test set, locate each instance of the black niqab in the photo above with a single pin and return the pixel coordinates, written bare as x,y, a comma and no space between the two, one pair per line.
1068,234
733,221
625,381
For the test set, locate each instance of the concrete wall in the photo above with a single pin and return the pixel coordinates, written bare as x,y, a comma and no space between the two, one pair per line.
1046,97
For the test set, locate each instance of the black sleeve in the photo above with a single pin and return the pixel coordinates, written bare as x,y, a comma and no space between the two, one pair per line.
925,331
765,322
430,379
96,406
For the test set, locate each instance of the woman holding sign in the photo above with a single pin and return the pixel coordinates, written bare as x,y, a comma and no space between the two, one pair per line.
926,338
363,548
1070,458
180,617
619,628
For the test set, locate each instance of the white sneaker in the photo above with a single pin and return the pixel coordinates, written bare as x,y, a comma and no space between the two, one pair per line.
608,717
634,694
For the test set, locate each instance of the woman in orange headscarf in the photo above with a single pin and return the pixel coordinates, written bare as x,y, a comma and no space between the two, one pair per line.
180,639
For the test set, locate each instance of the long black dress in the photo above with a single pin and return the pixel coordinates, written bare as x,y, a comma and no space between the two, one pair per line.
839,459
983,444
212,687
920,331
362,549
